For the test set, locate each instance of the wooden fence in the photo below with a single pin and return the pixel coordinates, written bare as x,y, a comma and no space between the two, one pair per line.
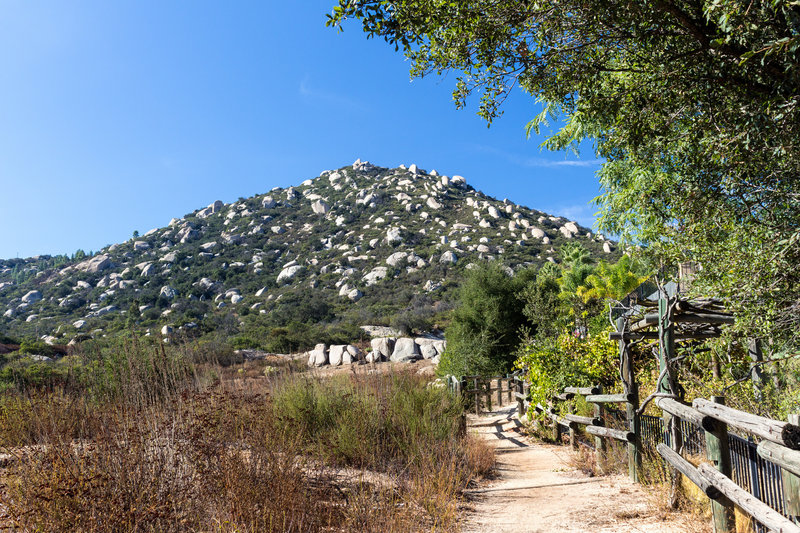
778,447
779,442
481,391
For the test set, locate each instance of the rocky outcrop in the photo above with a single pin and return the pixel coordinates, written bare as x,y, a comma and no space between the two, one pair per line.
318,356
355,295
352,354
288,273
103,311
187,234
336,354
405,350
394,236
448,258
32,297
96,264
215,207
375,275
430,347
320,207
382,349
396,258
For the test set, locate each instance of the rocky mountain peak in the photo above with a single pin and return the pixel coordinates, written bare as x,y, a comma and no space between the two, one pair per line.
361,240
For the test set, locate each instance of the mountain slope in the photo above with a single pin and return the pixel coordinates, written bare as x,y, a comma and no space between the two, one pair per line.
360,245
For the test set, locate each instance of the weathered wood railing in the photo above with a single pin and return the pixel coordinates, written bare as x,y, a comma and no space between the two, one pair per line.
780,445
480,391
780,442
592,425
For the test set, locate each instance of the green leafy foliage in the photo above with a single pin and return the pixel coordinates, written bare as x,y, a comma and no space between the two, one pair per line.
35,347
612,281
568,361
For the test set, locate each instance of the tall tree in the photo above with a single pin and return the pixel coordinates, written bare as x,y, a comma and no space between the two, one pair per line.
487,323
692,103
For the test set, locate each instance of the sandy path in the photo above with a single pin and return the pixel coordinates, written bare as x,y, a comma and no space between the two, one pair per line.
538,491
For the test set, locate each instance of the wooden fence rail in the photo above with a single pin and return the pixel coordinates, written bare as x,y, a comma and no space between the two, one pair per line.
780,444
779,441
481,391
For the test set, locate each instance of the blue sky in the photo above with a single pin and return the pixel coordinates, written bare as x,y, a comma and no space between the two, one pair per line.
118,116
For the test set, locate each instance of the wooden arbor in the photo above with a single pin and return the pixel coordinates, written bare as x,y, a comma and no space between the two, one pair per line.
666,319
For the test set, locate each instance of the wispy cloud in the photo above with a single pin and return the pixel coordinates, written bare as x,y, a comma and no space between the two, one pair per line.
309,92
537,162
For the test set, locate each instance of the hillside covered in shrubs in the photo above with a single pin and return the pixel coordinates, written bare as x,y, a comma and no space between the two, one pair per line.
284,270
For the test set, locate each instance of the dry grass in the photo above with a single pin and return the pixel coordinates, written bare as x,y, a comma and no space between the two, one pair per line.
201,448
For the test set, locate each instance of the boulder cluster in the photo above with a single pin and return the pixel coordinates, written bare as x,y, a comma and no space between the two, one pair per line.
394,349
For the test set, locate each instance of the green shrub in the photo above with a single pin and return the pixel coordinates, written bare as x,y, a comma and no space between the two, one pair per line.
487,325
569,361
378,422
243,342
35,347
24,375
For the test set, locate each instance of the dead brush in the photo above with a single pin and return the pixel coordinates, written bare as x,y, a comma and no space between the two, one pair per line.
35,417
154,444
123,480
693,513
151,471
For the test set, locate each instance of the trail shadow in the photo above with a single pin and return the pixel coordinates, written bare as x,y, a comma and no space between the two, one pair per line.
542,486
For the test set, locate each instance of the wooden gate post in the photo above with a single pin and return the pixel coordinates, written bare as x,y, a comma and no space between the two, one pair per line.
791,484
718,452
631,407
599,442
666,351
460,385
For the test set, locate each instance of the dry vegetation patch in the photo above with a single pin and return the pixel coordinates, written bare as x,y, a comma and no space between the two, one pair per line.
199,447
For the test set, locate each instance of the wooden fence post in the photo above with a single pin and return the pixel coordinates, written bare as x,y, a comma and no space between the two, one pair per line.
791,484
629,374
634,426
520,402
573,437
599,442
718,452
666,351
510,388
499,392
556,432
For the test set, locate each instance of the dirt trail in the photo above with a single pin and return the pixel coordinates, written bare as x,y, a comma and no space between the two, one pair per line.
538,491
